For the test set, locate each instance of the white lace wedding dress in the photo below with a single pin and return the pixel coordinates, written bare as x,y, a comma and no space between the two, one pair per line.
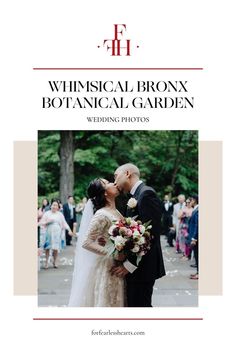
93,285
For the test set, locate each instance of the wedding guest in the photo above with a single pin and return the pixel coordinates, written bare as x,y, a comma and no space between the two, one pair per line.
63,234
60,205
184,217
79,211
171,236
44,207
167,211
52,225
193,232
177,208
70,216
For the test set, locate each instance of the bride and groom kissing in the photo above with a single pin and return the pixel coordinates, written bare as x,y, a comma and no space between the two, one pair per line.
98,279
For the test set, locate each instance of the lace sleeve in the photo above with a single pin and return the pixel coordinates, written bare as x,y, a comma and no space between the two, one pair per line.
98,228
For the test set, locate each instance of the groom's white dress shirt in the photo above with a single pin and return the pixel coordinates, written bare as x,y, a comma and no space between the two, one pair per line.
137,184
129,266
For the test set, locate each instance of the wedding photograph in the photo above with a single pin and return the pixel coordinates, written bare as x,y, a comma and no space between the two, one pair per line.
118,218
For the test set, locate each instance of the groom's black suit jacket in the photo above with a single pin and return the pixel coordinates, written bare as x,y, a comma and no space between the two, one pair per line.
149,208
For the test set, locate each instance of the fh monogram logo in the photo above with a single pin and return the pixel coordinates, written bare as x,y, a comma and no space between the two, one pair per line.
118,45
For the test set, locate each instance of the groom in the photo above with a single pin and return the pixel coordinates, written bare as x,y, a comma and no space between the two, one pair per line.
147,206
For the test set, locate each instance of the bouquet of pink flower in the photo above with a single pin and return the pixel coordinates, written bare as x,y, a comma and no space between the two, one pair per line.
128,236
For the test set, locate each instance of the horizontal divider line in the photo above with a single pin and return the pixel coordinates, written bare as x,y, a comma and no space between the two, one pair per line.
117,69
112,319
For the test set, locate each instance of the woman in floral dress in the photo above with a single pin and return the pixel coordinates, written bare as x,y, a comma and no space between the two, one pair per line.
184,216
52,226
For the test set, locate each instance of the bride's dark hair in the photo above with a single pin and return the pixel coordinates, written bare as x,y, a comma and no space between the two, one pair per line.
96,192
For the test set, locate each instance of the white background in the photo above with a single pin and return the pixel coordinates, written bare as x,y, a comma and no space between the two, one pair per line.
66,34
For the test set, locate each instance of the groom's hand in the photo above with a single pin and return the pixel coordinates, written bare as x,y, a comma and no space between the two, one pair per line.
119,271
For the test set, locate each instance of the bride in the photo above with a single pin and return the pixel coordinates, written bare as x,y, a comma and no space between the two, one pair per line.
92,283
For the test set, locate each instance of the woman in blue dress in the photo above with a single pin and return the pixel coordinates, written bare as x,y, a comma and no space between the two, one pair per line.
53,225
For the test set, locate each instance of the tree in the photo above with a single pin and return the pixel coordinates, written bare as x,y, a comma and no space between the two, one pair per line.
69,160
66,164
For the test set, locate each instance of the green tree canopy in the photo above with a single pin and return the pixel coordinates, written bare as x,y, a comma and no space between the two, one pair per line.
168,160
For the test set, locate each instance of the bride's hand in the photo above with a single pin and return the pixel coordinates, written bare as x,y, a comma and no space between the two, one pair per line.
101,241
119,272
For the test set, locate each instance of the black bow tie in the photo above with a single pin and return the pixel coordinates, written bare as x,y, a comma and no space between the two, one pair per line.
129,195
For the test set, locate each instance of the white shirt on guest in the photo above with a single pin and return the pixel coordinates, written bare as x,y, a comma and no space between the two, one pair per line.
167,205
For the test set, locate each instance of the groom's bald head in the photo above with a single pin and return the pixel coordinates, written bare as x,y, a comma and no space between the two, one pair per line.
129,167
126,176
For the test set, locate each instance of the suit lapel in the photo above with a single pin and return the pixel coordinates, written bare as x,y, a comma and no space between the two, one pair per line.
134,211
194,211
138,191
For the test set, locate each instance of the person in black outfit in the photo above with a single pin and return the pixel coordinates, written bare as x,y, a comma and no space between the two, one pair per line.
147,207
167,220
70,216
167,212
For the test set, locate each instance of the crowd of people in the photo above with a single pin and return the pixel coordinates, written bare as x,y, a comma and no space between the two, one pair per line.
57,224
180,226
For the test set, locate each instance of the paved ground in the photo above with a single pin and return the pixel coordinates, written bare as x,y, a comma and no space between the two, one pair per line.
175,289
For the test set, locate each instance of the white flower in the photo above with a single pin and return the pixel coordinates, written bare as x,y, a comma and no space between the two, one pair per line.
132,202
136,233
120,239
133,223
141,241
135,249
119,242
142,229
